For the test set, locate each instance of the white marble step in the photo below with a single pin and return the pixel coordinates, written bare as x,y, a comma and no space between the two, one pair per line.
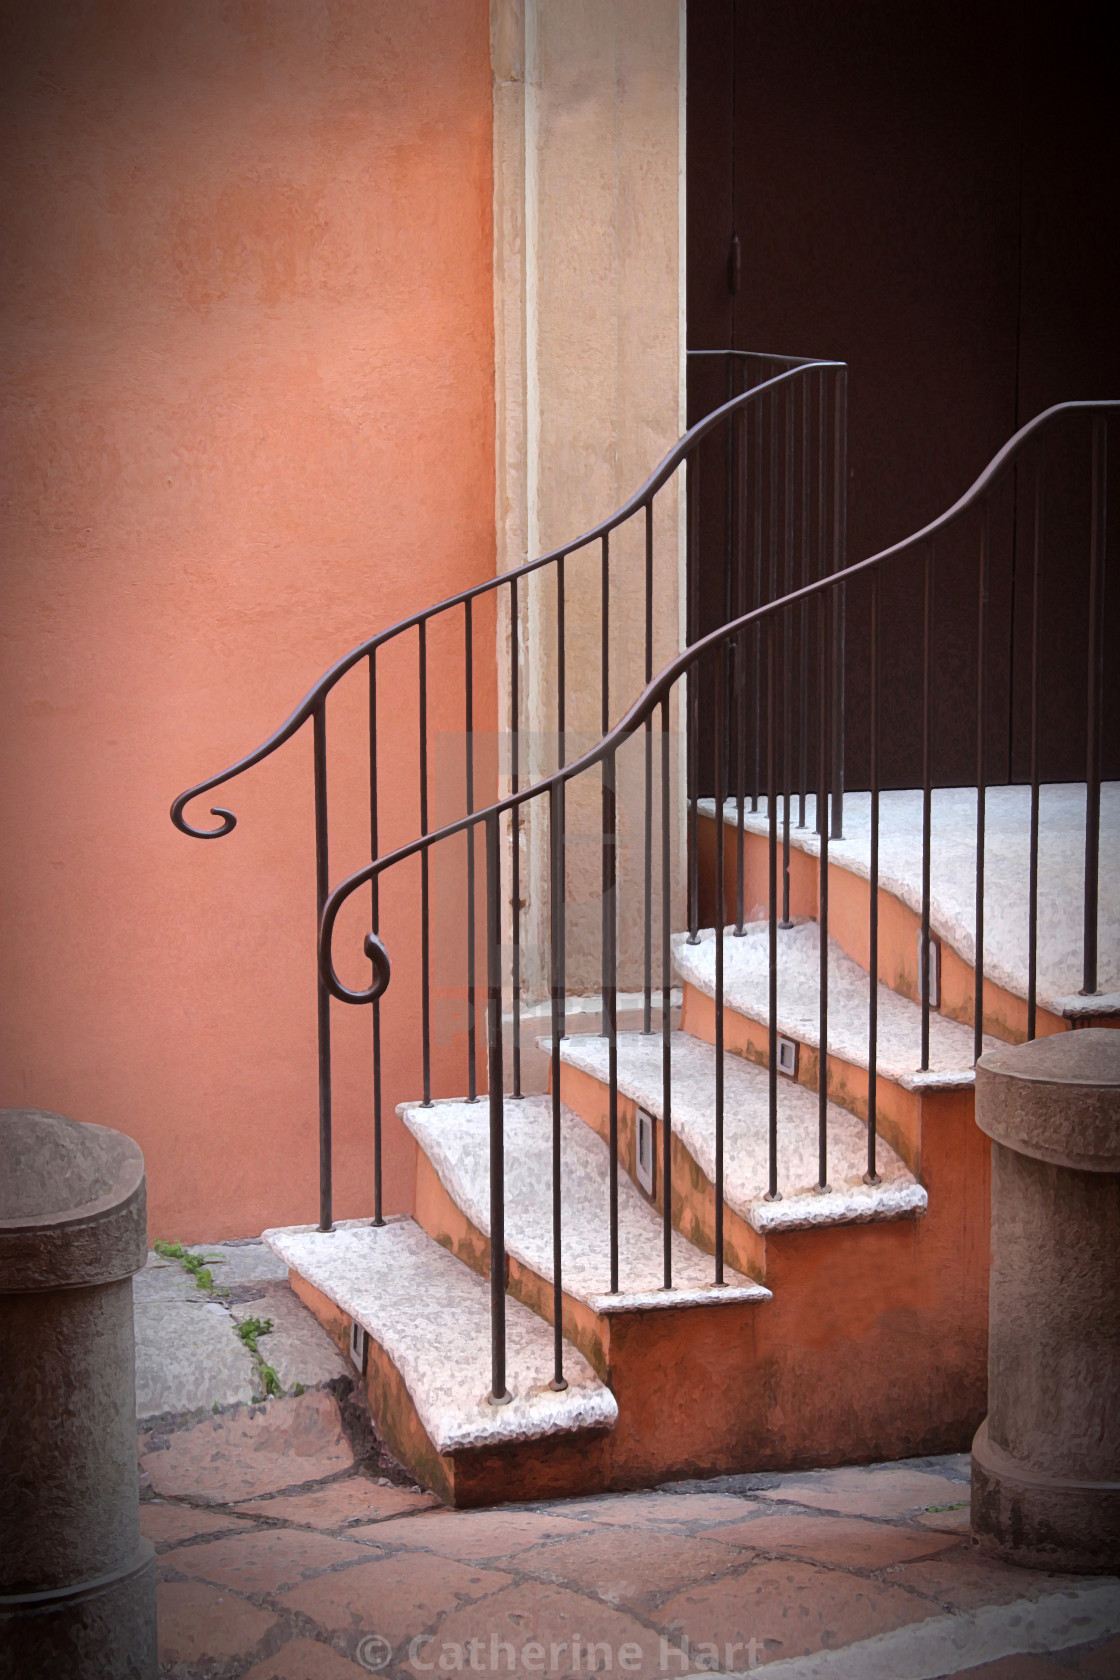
1061,877
455,1136
746,1133
431,1314
746,989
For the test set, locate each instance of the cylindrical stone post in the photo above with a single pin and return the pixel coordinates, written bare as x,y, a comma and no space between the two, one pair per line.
77,1583
1046,1459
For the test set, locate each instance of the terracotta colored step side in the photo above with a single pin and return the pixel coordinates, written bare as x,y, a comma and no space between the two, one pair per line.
898,1111
549,1468
689,1357
876,1340
1005,1015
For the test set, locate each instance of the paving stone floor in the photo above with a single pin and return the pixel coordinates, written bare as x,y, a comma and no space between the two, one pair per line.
291,1547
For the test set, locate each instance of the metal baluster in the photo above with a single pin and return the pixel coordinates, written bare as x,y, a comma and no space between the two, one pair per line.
498,1392
647,937
1093,703
666,1007
825,603
515,835
322,888
925,953
425,929
378,1218
740,655
822,507
872,1176
1032,889
772,921
806,575
787,653
839,611
718,933
772,504
692,696
756,525
555,820
561,760
472,1005
981,777
610,996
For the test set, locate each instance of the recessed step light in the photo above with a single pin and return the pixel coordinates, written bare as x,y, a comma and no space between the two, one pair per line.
644,1153
787,1056
357,1345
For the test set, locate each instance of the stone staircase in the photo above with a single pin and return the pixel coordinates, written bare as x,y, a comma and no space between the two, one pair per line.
851,1324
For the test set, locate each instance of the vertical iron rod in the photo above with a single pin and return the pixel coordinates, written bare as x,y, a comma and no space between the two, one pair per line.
772,917
555,808
756,545
472,960
378,1217
647,936
498,1393
1093,703
718,933
322,887
666,1008
1032,885
924,955
787,653
425,927
561,760
610,997
824,604
872,1174
839,560
981,778
740,653
515,833
806,575
692,696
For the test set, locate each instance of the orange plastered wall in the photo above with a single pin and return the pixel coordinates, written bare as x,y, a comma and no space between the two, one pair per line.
248,330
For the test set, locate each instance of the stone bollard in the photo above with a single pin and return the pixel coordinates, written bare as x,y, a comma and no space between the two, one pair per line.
1046,1459
77,1583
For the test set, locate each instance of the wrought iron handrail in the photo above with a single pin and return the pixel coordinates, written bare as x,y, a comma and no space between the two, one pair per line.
656,481
725,647
797,374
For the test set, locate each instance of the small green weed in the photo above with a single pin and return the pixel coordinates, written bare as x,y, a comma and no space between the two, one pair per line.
959,1506
193,1263
250,1328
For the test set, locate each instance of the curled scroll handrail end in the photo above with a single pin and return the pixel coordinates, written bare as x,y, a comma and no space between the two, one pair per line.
377,955
228,823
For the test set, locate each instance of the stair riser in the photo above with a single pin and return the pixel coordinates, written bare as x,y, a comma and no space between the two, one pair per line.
675,1372
1005,1016
897,1111
693,1210
542,1469
875,1342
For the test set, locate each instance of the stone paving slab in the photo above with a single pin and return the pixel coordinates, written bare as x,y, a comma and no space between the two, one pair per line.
235,1264
306,1659
189,1358
199,1623
297,1347
829,1575
264,1449
165,1280
342,1504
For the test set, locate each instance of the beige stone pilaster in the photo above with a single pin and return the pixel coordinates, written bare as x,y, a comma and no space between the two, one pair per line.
589,317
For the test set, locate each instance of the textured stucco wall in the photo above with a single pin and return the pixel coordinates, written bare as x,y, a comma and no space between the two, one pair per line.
248,329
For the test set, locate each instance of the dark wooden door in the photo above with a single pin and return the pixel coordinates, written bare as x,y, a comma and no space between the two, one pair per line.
929,194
